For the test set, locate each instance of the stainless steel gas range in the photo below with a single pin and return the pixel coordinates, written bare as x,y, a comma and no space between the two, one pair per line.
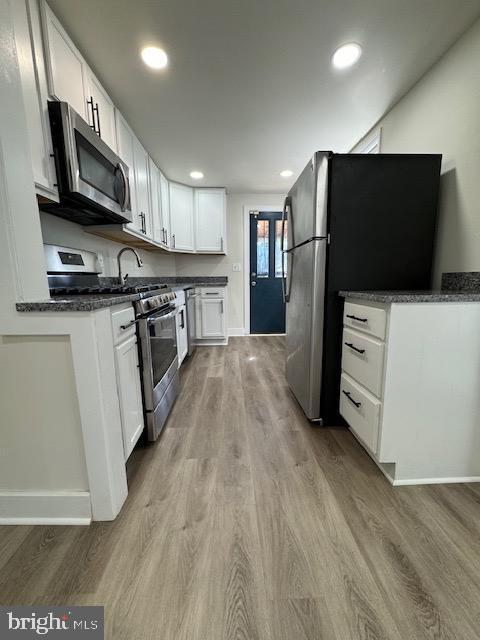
75,272
156,328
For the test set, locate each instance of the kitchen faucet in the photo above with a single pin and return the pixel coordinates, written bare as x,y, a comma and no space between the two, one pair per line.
121,278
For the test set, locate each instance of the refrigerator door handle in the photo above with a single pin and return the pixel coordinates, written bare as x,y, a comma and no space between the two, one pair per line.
282,248
284,292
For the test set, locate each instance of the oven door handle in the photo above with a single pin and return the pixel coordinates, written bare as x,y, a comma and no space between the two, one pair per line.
167,316
124,327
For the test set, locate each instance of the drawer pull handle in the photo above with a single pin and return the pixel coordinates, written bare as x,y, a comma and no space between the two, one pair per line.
357,319
349,344
347,393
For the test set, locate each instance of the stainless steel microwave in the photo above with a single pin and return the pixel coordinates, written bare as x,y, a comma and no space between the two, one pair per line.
93,182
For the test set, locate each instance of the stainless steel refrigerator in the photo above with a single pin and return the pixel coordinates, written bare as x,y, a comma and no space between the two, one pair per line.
354,222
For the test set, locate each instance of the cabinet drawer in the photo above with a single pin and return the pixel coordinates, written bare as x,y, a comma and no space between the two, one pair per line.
372,320
123,318
361,410
362,358
212,292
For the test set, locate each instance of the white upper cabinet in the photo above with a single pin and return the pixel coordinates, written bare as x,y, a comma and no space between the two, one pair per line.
101,111
165,206
125,140
165,215
158,233
210,221
65,65
71,80
143,216
28,40
181,217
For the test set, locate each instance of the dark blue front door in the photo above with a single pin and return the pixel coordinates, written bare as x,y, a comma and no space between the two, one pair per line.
267,309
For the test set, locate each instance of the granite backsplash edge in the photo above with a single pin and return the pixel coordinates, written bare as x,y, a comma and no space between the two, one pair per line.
461,281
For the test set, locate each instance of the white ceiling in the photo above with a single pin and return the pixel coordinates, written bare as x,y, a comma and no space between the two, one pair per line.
250,89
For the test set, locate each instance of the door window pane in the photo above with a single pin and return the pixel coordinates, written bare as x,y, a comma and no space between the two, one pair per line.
278,246
262,248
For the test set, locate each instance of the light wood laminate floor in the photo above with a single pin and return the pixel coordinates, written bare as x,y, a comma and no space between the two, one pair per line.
243,522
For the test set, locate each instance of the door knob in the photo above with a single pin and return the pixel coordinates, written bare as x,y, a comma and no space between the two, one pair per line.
253,274
254,284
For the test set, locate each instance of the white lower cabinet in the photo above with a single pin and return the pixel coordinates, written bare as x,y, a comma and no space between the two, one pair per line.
361,410
211,315
128,378
409,387
182,334
213,318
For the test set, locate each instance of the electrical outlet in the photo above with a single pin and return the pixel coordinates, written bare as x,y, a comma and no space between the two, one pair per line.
236,266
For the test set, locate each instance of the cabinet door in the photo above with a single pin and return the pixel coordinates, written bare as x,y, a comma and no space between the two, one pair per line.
181,217
210,220
144,221
65,65
102,118
155,202
165,206
129,393
182,338
125,139
198,318
28,40
213,318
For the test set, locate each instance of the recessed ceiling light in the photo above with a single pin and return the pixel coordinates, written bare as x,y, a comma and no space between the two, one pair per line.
286,173
154,57
196,175
346,55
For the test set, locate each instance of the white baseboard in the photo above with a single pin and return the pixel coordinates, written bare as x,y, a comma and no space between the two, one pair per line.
265,335
239,331
400,483
413,481
60,507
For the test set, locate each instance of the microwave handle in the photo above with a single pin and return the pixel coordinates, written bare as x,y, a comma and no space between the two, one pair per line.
126,197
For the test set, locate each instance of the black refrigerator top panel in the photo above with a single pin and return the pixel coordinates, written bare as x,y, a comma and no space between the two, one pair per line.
382,220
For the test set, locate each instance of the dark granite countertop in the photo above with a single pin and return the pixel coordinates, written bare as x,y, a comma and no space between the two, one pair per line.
100,301
440,295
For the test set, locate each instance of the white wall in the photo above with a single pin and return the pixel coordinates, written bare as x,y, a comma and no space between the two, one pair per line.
222,265
69,234
441,114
